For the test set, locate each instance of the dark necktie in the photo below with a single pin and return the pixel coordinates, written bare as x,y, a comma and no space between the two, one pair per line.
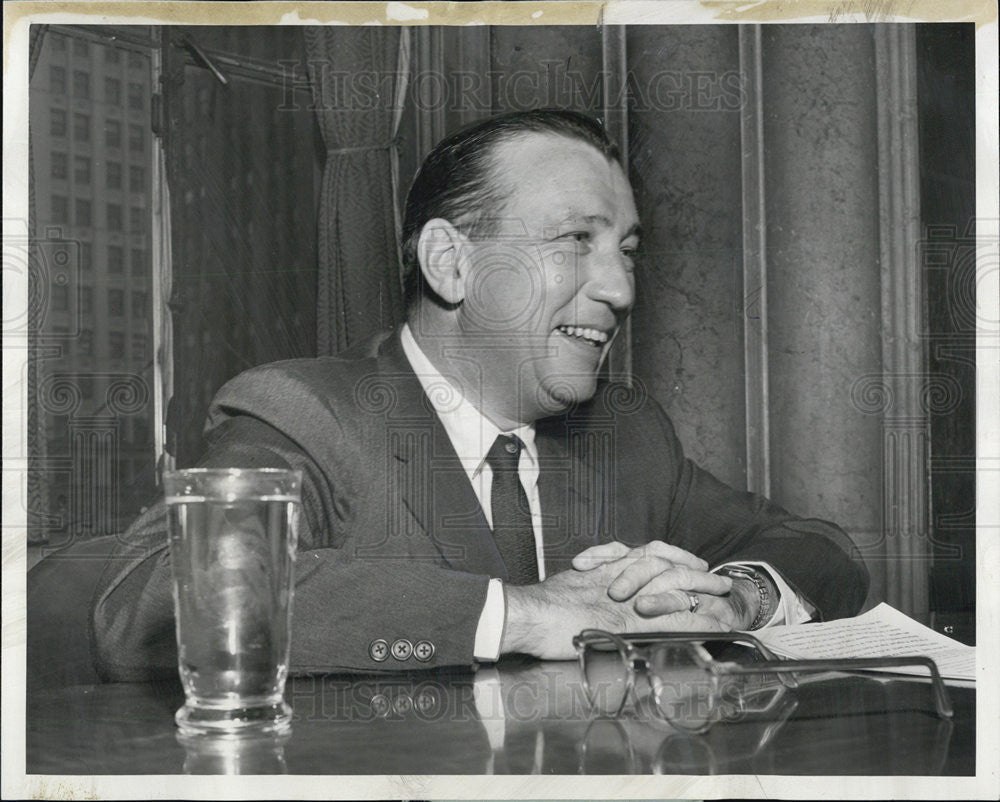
512,530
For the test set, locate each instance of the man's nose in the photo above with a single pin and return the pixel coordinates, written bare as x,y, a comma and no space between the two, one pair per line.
612,283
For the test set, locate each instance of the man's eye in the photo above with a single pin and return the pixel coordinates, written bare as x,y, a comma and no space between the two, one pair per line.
577,236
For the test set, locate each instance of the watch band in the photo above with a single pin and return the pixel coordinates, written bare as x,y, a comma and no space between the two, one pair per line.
764,611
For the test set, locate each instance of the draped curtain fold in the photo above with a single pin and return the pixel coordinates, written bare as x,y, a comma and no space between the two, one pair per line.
358,78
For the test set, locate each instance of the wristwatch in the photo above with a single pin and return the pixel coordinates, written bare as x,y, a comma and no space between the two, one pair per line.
766,604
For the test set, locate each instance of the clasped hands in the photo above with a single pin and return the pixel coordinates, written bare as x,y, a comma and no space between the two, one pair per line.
623,589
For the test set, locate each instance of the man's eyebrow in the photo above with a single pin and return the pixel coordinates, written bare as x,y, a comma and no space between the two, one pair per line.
574,217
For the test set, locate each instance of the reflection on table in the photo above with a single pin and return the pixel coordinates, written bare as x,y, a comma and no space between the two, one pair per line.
520,718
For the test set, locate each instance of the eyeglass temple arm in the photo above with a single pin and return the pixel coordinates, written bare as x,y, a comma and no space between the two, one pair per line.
941,700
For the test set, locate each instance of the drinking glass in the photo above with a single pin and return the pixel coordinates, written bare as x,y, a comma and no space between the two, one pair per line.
233,536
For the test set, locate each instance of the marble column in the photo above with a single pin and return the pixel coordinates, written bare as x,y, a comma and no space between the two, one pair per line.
823,274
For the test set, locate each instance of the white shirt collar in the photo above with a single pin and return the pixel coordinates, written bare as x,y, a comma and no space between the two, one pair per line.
471,433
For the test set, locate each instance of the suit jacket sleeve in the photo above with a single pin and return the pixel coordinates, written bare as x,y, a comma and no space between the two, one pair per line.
341,603
720,524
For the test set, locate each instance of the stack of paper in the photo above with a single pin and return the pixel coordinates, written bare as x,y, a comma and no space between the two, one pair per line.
881,632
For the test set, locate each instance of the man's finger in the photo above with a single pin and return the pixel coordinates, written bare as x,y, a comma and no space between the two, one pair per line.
675,554
679,601
657,575
598,555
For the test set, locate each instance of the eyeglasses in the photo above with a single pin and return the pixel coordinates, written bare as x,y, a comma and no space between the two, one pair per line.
691,690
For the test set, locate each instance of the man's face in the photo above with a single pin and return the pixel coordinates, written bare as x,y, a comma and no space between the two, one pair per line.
545,295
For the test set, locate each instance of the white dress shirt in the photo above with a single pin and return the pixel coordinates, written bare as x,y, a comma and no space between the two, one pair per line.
472,435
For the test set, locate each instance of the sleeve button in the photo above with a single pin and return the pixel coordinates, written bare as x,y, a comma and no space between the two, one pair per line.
423,651
402,649
378,650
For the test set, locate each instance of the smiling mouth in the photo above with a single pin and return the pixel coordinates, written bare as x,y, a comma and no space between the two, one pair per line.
590,336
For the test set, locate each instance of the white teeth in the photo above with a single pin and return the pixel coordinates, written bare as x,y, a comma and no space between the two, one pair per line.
593,335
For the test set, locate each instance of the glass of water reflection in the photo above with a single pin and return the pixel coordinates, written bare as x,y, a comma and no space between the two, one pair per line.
233,536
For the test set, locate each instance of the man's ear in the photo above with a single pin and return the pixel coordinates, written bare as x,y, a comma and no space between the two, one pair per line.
440,251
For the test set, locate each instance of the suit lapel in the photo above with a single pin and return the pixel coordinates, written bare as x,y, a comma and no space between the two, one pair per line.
429,479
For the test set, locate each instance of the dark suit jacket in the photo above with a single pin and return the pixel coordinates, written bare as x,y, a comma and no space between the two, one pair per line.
393,542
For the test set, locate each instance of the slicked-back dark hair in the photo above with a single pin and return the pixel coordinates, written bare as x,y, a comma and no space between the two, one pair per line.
461,182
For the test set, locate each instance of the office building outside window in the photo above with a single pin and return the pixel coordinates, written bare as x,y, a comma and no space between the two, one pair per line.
81,169
139,305
60,298
97,312
116,345
114,213
81,85
136,220
116,302
112,91
113,133
60,209
135,138
57,80
116,259
81,215
136,99
57,125
81,127
59,165
138,262
114,175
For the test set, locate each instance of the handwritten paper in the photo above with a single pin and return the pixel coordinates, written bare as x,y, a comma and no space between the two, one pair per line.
881,632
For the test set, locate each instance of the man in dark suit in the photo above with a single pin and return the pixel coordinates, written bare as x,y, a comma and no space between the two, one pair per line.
470,488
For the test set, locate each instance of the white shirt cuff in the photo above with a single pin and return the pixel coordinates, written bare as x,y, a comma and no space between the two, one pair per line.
489,632
790,608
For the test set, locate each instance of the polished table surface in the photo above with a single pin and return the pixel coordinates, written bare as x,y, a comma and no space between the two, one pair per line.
433,723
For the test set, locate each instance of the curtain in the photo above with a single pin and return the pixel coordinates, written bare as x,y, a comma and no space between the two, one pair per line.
358,78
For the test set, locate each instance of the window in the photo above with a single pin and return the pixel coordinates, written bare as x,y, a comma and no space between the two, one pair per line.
116,344
138,262
114,217
60,297
116,303
58,122
87,300
81,127
57,80
60,209
81,47
136,100
136,179
138,346
59,165
81,84
81,214
81,169
135,138
112,91
137,220
112,55
86,256
139,305
116,259
85,342
113,133
114,175
58,43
